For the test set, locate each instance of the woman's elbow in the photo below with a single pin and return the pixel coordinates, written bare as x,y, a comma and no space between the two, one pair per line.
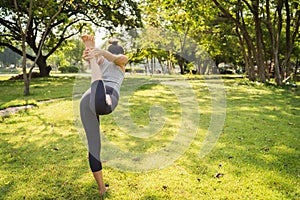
121,60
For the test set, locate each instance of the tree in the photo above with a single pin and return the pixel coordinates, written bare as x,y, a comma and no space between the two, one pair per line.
175,19
253,19
195,22
23,33
71,18
9,57
68,55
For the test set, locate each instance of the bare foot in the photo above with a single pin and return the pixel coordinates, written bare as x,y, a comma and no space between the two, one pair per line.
103,191
88,41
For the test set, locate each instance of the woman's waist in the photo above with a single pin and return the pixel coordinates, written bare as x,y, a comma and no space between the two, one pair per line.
112,91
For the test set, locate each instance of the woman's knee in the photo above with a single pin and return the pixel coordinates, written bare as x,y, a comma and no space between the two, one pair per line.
84,103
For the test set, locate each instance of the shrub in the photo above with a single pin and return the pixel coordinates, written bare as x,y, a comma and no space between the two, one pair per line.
73,69
62,69
68,69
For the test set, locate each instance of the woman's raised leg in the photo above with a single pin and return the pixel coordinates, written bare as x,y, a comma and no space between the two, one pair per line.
90,116
89,43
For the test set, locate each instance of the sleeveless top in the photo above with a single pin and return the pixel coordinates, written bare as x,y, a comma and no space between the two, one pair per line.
112,75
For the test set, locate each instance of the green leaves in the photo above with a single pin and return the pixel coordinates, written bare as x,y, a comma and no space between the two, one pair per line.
60,20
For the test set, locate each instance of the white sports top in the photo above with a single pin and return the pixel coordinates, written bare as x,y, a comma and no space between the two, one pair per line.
112,74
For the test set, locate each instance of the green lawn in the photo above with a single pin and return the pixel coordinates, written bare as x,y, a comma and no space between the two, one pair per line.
256,157
41,89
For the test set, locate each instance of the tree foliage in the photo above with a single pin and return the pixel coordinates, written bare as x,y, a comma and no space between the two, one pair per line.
262,35
68,55
267,31
198,31
173,22
57,21
8,57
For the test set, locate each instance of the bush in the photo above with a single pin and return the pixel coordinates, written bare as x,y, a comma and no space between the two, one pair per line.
68,69
73,69
62,69
138,70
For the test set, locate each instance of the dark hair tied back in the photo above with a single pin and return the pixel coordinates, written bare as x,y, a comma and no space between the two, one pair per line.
114,42
115,48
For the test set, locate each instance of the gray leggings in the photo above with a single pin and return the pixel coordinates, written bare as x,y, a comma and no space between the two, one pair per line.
93,103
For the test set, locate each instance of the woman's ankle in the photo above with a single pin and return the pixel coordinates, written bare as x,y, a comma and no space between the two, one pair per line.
103,190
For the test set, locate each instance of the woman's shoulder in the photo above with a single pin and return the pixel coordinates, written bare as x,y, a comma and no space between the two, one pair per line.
121,60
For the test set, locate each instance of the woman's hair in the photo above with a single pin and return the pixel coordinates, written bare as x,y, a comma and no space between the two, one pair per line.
114,47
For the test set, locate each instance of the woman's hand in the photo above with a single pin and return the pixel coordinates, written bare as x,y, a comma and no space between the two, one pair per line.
92,53
87,55
97,52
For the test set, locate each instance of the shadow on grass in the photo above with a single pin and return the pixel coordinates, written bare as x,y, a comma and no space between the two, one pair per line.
260,142
43,158
40,89
7,184
42,161
151,197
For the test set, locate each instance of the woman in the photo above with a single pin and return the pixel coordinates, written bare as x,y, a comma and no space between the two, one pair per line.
107,74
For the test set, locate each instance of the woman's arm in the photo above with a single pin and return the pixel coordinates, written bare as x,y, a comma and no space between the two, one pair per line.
120,60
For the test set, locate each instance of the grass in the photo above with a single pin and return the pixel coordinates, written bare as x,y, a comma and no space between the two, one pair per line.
257,155
9,70
40,89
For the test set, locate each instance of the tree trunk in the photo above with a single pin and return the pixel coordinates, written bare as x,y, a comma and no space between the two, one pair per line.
181,61
161,65
240,24
44,69
275,36
204,70
259,43
290,36
278,77
249,66
287,63
198,61
251,53
296,69
26,78
181,64
153,65
169,63
244,53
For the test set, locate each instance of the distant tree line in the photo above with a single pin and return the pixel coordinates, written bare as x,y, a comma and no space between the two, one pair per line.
259,36
262,36
8,57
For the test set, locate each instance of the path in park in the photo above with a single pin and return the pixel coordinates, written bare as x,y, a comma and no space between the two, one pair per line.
13,110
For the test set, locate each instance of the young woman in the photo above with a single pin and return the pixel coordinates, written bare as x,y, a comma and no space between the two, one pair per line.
107,75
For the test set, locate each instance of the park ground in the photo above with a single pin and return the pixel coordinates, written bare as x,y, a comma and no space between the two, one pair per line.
257,155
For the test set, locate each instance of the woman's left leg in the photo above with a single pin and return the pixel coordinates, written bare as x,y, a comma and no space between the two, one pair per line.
93,104
90,121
